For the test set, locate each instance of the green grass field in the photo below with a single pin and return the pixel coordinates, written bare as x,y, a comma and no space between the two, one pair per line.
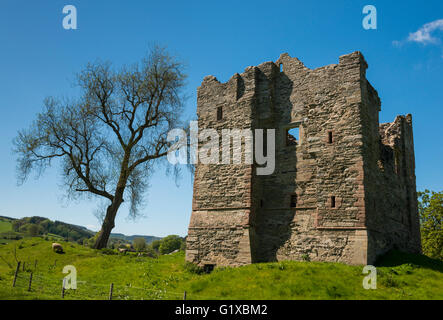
400,277
5,225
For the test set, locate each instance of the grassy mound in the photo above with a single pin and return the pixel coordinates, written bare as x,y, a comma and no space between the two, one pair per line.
400,276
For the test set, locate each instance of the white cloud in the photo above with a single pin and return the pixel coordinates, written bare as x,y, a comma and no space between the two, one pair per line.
424,34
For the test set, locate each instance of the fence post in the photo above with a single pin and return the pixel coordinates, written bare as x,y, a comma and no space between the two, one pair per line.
30,282
184,295
110,291
63,288
15,274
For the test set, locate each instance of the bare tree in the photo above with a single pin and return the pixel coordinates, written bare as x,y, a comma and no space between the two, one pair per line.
110,138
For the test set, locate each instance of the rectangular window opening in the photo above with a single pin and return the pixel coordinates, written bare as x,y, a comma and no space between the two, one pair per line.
330,137
219,113
293,200
292,136
333,202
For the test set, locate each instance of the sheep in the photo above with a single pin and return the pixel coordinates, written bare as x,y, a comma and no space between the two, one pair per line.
57,247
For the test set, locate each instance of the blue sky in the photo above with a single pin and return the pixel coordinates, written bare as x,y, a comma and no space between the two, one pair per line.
38,58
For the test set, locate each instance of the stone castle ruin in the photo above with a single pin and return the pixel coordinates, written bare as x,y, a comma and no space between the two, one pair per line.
343,188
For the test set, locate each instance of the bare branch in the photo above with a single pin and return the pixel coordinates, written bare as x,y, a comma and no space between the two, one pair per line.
108,140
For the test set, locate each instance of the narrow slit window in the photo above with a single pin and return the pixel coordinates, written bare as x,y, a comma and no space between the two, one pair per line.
333,202
292,136
219,113
293,200
330,137
261,203
281,67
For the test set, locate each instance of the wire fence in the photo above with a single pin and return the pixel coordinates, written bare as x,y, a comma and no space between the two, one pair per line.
43,286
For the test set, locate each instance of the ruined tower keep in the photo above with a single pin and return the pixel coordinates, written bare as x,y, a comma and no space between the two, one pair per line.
343,190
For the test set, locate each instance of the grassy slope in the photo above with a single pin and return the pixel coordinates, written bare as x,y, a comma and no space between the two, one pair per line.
167,277
5,225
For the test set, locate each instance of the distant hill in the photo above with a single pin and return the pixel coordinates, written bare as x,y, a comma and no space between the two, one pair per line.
121,236
38,226
12,229
7,218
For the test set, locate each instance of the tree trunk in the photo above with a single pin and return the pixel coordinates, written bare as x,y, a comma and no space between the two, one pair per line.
107,226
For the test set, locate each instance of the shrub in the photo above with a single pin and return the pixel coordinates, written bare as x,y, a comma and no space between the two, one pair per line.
33,230
155,245
151,252
139,244
91,241
170,243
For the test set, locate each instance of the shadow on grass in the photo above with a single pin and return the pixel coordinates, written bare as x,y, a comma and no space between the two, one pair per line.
396,258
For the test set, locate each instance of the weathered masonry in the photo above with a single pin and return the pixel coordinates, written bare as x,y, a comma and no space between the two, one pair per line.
343,190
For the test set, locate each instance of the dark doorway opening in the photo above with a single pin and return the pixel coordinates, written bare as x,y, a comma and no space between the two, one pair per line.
208,268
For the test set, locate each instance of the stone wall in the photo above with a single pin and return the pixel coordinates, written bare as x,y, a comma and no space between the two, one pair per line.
339,170
394,223
219,230
318,102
